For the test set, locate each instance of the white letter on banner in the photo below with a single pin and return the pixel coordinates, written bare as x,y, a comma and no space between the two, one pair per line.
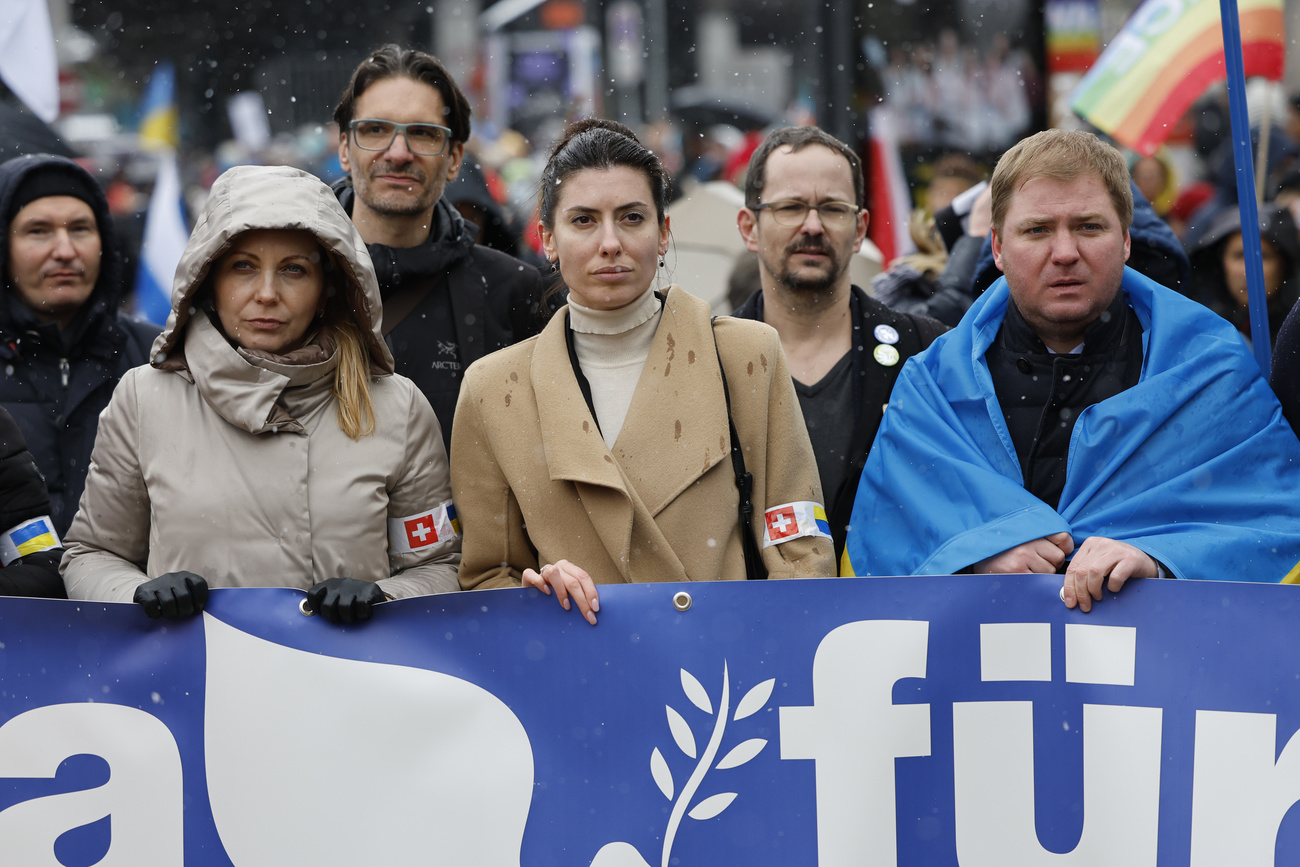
854,732
143,795
993,775
1239,795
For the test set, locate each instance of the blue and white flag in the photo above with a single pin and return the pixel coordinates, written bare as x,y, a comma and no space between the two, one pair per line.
165,237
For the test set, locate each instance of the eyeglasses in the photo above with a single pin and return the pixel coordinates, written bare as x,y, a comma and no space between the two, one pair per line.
425,139
791,213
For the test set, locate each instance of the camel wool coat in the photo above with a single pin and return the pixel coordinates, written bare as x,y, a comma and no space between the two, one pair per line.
231,463
534,482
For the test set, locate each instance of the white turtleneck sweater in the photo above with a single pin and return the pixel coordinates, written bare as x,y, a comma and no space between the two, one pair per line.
612,347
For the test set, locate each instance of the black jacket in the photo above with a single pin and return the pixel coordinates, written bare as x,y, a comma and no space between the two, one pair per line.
872,385
474,300
1043,394
23,497
56,383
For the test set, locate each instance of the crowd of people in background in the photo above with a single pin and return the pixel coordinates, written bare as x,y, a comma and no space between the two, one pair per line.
472,335
959,97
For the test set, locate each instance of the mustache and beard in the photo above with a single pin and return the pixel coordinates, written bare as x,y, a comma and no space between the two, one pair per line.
807,279
418,199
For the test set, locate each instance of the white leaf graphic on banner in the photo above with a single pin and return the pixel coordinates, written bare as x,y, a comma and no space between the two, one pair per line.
663,777
695,692
681,732
741,753
710,807
289,735
625,855
754,700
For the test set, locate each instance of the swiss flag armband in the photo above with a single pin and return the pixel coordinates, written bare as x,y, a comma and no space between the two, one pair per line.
794,521
423,529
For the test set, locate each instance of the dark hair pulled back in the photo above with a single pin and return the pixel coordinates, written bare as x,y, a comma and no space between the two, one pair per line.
394,61
596,143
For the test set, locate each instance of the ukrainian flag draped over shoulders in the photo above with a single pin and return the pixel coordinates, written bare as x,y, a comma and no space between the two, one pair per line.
1194,464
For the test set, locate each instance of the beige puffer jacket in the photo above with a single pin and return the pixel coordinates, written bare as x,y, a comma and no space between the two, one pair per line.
233,466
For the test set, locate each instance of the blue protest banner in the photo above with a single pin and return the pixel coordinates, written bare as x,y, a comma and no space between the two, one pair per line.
915,721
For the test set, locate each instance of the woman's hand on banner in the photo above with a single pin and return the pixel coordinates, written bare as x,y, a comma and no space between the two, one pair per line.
569,581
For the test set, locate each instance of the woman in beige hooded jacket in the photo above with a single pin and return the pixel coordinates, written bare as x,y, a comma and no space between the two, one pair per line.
268,442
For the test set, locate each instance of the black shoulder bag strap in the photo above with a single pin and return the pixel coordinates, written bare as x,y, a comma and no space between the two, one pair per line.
754,568
401,303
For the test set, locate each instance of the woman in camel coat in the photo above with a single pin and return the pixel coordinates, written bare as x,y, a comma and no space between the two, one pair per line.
600,452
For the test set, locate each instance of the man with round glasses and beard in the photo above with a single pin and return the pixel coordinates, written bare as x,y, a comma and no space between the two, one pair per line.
805,219
403,123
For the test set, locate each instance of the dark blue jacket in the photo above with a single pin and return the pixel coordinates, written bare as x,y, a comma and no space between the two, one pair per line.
56,383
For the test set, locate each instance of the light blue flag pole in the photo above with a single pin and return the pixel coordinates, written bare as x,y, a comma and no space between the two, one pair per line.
165,237
1261,342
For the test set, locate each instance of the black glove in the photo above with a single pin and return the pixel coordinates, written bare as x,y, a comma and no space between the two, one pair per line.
34,575
174,595
344,600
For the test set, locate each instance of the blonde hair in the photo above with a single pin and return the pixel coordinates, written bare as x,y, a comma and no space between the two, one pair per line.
352,379
356,413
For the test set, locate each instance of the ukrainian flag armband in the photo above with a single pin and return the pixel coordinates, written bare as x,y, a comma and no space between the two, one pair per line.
793,521
29,537
423,529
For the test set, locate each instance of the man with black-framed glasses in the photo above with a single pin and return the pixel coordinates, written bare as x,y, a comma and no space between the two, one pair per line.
805,219
403,123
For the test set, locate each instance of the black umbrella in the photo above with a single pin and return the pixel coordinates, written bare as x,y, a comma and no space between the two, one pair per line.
22,132
693,105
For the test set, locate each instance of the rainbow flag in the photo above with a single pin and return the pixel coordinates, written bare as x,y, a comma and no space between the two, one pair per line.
159,120
1164,58
1073,34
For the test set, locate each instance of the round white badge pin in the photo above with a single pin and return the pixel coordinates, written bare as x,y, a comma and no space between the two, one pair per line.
886,334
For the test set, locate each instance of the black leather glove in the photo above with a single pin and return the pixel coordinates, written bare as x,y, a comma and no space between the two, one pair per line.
344,600
174,595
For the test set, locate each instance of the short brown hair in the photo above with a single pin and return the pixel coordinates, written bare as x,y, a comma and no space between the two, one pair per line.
393,61
798,138
1062,155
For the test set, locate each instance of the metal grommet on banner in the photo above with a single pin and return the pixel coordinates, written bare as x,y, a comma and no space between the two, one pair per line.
302,606
682,600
